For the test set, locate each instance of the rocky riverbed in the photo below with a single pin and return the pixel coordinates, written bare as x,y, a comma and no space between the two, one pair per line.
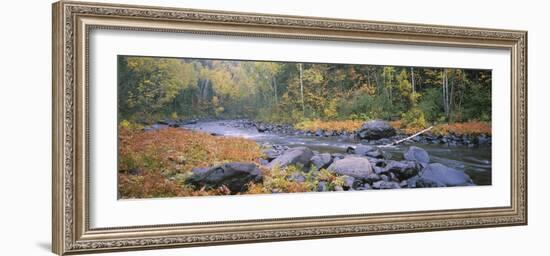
375,132
358,158
363,168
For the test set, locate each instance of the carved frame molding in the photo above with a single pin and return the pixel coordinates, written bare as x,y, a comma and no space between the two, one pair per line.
72,22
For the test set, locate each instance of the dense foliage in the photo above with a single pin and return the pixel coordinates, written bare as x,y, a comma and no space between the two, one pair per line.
156,88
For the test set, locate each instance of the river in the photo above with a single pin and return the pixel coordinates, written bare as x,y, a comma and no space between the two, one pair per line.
474,161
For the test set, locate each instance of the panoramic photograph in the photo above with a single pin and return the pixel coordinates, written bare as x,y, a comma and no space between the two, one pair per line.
211,127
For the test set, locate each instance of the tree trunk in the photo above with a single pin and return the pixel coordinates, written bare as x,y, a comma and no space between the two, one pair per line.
368,77
443,88
377,81
390,90
204,90
412,80
302,87
276,93
451,99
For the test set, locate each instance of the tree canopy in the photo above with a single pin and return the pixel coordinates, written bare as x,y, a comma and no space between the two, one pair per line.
151,88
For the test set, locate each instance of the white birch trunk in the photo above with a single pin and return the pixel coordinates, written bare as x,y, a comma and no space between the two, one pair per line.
302,87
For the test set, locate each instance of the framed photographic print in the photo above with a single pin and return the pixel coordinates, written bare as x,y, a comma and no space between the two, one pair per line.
179,127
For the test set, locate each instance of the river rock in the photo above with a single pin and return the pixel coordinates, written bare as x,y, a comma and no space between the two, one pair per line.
135,171
402,169
375,130
319,133
322,186
360,149
329,133
261,128
378,170
483,140
297,177
348,181
379,154
366,150
321,161
270,154
234,176
438,175
357,167
373,177
386,185
417,154
188,122
298,155
338,156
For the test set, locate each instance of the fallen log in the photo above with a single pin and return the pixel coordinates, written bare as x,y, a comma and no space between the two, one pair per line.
408,138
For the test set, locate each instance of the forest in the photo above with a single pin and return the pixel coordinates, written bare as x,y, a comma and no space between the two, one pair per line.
152,88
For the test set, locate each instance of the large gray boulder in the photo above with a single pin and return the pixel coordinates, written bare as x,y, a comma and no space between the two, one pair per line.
438,175
293,156
234,176
357,167
417,154
375,130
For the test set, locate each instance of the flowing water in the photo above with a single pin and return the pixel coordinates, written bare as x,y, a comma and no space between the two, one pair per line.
475,161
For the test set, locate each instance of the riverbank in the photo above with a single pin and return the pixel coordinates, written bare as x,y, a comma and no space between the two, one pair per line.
208,158
151,164
469,134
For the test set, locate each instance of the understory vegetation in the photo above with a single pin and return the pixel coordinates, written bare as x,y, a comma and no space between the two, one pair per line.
341,126
465,128
156,164
172,152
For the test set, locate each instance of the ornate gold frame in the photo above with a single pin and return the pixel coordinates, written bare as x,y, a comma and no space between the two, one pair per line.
72,22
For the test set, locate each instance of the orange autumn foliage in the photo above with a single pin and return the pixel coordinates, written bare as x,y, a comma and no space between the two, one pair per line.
174,146
148,185
163,153
466,128
344,125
